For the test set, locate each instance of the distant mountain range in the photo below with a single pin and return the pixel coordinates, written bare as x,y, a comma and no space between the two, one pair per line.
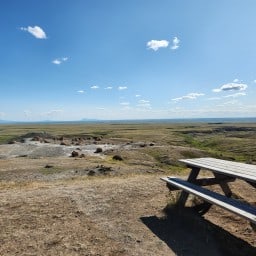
181,120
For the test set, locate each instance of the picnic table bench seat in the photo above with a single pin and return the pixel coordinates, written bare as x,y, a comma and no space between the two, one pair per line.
243,209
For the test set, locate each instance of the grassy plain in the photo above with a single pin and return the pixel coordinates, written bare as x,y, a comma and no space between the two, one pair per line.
95,205
226,140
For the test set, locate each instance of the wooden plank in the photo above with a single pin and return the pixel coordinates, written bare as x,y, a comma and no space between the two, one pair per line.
206,182
212,181
233,169
224,185
225,165
191,178
242,209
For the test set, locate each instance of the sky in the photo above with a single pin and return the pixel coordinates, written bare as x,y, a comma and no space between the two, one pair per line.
137,59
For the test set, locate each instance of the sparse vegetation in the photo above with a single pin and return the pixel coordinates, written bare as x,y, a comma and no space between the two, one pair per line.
110,203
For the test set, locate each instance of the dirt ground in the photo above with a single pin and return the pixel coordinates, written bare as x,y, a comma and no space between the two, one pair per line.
88,207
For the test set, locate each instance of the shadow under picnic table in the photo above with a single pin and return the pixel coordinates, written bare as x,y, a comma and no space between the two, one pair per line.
188,234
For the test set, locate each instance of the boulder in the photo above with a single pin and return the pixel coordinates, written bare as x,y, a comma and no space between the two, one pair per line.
117,158
98,150
74,154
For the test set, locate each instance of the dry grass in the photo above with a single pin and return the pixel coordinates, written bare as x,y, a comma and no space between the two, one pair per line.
64,211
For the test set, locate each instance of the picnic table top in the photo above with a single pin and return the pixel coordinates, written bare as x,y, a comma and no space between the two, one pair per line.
229,168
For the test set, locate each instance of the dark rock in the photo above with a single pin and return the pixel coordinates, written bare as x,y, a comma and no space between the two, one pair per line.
117,157
98,150
12,142
104,169
91,173
49,166
82,156
97,138
74,154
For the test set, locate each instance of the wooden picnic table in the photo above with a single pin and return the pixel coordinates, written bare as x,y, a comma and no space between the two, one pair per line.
223,172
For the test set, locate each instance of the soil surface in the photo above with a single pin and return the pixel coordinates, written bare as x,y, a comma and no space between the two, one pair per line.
55,204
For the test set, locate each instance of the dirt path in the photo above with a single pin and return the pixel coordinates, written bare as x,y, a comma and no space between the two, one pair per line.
110,216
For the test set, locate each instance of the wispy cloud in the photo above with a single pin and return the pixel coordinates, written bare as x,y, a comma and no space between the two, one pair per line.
175,43
143,101
120,88
236,80
52,112
231,87
145,104
228,103
190,96
36,31
94,87
214,98
108,88
58,61
125,103
235,95
81,91
137,95
156,44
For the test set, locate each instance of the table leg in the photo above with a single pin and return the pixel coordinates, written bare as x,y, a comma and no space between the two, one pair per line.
191,178
224,185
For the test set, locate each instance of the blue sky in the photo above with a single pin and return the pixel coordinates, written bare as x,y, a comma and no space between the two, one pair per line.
136,59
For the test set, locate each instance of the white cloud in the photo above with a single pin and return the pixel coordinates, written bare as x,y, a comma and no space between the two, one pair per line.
236,80
231,87
190,96
235,95
95,87
81,91
254,81
52,112
120,88
232,102
137,95
156,44
175,43
214,98
143,101
36,31
58,61
108,88
145,104
125,103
